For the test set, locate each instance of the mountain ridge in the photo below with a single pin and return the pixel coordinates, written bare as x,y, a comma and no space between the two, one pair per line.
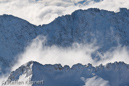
109,29
67,76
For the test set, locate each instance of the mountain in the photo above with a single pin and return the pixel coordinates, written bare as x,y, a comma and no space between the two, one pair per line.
86,25
107,29
40,12
112,74
15,33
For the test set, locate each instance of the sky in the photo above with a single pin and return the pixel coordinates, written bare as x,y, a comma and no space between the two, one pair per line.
41,12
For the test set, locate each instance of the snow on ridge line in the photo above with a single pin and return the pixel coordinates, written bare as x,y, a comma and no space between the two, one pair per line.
60,67
58,75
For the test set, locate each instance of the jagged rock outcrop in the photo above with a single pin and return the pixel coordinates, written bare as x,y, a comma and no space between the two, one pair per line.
113,74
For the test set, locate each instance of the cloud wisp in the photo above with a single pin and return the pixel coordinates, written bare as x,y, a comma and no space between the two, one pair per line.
37,51
77,53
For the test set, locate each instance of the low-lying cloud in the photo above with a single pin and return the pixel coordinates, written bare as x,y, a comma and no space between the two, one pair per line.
37,51
77,53
44,11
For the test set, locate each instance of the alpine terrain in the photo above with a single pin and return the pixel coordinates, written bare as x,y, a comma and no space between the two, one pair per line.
107,29
36,74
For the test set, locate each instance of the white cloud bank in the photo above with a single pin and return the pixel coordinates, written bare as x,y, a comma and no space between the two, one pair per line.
36,51
78,53
44,11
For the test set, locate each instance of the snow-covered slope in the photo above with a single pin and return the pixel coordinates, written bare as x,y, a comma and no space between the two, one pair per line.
112,74
84,26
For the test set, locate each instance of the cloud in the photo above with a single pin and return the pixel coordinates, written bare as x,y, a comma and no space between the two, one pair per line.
44,11
119,53
95,81
77,53
37,51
